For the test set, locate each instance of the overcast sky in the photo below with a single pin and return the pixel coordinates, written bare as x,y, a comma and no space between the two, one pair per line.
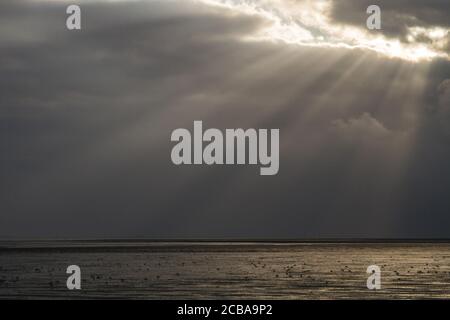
86,118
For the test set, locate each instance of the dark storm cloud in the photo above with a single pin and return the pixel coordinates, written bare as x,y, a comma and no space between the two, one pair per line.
86,118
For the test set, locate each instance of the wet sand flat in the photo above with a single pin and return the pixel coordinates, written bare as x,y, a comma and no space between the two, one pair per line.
158,270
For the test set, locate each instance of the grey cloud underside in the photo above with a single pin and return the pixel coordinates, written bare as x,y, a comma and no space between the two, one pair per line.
86,118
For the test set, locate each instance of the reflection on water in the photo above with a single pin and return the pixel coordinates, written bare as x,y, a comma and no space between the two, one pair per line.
224,270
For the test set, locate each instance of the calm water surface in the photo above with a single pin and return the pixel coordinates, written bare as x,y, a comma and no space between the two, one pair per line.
148,270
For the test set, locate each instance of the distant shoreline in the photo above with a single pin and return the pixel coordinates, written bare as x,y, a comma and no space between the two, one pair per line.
239,240
137,244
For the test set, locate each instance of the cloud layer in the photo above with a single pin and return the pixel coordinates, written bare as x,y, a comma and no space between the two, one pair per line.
86,118
420,32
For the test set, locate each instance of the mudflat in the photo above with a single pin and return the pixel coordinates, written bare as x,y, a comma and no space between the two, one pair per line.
223,270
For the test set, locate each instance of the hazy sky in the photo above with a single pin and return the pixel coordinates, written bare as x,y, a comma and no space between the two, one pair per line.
86,118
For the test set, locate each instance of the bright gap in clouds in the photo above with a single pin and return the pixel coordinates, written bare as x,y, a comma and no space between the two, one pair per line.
307,23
